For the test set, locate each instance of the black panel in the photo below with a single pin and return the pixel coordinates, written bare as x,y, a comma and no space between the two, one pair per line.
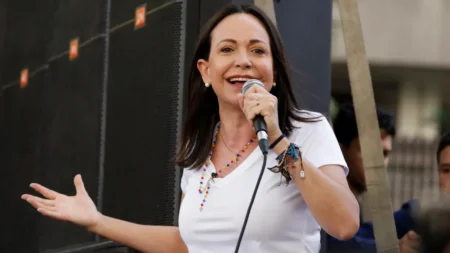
20,164
26,38
142,117
70,136
123,11
308,44
209,8
3,14
192,27
26,35
51,133
76,18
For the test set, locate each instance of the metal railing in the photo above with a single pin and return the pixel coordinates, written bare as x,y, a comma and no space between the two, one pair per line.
412,171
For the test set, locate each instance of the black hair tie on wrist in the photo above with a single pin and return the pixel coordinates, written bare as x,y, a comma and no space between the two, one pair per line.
277,141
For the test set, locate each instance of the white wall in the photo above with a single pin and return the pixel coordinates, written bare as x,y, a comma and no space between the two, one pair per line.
401,32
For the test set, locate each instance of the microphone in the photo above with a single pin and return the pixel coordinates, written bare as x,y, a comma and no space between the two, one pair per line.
258,122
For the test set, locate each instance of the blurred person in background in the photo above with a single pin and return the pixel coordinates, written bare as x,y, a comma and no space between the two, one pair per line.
443,159
346,131
434,220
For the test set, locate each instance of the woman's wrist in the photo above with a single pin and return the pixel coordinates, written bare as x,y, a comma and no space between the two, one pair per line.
96,226
278,142
281,146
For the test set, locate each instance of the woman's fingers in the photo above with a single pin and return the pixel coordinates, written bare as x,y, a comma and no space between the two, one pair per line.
50,194
257,101
264,107
50,213
45,202
254,96
40,203
256,89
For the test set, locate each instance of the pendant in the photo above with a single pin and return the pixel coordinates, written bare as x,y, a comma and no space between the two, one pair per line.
302,174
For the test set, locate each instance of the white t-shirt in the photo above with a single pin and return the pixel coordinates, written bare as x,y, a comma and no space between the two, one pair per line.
279,222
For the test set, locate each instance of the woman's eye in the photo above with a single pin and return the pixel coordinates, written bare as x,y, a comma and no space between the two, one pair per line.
259,51
226,50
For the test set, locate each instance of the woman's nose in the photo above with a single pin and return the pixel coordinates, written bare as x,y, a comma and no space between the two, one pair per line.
242,60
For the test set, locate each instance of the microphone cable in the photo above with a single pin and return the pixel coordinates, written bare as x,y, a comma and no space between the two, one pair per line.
263,168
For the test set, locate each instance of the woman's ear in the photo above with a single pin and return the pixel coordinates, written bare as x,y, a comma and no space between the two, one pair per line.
203,68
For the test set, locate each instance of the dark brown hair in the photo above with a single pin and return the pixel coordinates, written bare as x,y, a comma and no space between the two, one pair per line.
203,108
443,143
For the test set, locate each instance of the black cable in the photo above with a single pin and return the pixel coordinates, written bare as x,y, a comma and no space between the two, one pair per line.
251,203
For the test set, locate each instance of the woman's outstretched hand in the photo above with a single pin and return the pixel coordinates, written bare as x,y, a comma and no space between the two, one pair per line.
78,209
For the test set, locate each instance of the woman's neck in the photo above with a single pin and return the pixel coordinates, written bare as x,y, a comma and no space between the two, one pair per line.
234,126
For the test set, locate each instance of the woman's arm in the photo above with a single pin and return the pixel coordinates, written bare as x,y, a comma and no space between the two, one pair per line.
148,239
325,190
81,210
328,196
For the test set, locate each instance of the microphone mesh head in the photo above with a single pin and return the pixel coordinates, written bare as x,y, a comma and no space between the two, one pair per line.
250,83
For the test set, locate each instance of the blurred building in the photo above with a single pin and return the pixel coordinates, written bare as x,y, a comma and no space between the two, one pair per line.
408,47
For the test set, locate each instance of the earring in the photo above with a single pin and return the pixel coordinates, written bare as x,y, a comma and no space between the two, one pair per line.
207,85
274,84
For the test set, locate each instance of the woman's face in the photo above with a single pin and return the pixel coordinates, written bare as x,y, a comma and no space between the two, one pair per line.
240,50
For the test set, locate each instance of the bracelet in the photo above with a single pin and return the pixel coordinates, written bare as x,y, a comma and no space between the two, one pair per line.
276,141
286,159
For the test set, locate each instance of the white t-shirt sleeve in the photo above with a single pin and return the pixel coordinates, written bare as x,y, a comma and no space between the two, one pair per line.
185,180
320,146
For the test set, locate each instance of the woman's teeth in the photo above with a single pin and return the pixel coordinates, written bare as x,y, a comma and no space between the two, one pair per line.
235,80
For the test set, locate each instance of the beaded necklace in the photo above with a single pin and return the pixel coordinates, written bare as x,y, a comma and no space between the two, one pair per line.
205,187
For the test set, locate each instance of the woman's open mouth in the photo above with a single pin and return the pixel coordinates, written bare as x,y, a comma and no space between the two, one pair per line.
238,81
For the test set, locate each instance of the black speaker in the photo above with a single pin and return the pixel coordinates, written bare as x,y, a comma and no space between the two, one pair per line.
20,163
144,111
51,126
70,137
24,34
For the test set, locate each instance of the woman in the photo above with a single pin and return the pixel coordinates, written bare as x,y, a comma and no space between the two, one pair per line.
222,159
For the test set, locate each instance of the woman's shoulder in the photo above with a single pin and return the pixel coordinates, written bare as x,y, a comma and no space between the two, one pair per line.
306,118
310,123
